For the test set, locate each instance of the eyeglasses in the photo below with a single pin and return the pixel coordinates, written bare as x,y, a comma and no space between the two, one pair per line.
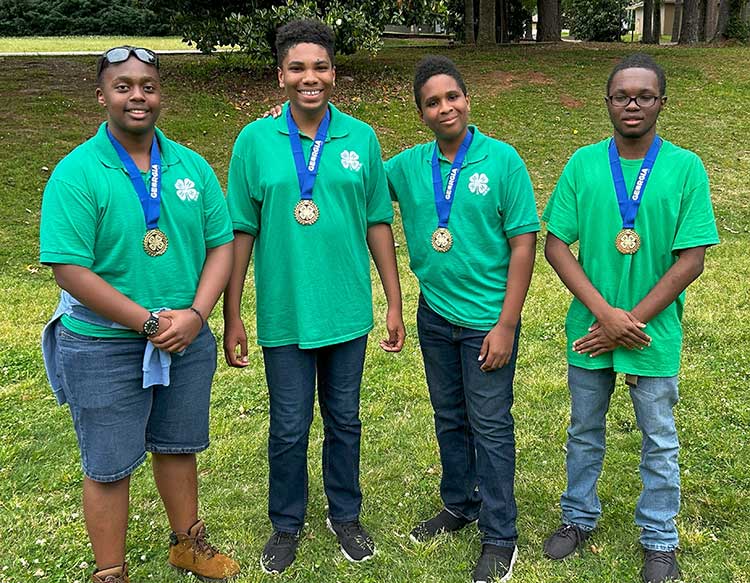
122,54
640,100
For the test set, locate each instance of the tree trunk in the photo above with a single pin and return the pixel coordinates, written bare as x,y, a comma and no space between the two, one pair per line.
486,34
656,26
723,21
702,20
548,24
712,18
528,29
469,22
647,34
677,20
690,22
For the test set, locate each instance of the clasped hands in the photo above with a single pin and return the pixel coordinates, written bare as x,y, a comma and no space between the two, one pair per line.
618,328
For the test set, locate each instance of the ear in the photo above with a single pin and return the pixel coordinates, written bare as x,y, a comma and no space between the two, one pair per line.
333,71
468,103
100,97
420,113
280,74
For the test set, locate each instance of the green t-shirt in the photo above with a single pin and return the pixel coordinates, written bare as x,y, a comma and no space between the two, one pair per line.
675,213
92,217
312,282
494,201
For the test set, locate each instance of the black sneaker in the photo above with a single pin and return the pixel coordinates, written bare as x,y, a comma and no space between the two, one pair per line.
355,542
565,541
495,564
442,522
279,552
659,566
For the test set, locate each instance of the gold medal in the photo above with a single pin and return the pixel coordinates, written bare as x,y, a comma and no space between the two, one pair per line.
155,242
442,240
306,212
627,241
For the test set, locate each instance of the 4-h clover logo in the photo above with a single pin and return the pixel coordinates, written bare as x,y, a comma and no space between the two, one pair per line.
350,160
186,189
478,183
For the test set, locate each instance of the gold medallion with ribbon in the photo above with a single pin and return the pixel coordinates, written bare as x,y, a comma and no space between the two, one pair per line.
442,240
155,242
306,212
627,241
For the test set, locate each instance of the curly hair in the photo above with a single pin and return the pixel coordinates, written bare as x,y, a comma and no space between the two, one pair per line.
640,61
303,31
430,66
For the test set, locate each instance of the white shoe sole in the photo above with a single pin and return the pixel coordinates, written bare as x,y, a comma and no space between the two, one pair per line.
509,574
343,552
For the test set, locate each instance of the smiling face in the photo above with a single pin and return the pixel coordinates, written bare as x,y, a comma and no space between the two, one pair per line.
307,77
633,121
131,93
444,108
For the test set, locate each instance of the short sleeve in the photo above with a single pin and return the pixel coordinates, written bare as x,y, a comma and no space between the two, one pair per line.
67,231
379,207
217,224
392,174
696,225
519,206
561,213
243,198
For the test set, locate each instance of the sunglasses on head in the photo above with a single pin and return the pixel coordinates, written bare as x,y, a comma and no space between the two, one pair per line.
122,54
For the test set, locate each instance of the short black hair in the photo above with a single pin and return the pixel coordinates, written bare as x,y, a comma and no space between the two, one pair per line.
304,31
430,66
640,61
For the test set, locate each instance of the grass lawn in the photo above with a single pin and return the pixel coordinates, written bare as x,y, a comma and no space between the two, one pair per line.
546,101
49,44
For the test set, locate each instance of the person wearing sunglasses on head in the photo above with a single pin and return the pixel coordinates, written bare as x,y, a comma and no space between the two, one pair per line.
640,209
138,235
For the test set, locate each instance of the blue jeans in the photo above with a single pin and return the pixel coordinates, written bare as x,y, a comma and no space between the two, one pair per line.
474,425
290,374
653,400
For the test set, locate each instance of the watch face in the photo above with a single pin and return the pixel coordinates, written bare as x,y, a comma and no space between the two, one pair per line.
151,326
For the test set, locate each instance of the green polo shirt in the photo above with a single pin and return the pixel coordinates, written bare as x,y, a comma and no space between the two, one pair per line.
92,217
675,213
493,202
312,283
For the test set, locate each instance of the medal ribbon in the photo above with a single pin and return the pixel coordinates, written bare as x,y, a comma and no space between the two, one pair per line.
150,197
307,172
629,204
444,198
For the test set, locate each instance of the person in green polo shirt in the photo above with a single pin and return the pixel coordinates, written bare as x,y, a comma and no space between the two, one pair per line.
640,210
470,221
308,195
139,238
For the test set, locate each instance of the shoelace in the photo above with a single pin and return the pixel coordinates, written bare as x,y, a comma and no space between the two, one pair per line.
353,530
201,545
572,531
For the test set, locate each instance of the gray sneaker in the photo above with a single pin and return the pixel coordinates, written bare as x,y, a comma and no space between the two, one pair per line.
565,541
660,566
279,552
355,542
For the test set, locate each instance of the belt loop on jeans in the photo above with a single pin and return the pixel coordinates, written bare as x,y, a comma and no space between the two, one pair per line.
631,380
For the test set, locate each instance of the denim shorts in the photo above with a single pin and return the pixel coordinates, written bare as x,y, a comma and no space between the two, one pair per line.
116,420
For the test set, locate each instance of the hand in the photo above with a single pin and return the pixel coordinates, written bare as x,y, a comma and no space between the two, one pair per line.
497,347
594,343
396,332
234,336
624,329
274,112
182,328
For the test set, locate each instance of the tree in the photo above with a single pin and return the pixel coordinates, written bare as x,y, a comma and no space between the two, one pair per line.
656,25
548,25
677,21
596,20
730,21
647,34
469,37
486,34
691,22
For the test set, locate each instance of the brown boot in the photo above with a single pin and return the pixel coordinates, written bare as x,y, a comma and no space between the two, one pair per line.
190,551
117,574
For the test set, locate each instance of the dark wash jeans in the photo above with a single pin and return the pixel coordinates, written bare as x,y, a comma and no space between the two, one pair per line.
291,373
474,425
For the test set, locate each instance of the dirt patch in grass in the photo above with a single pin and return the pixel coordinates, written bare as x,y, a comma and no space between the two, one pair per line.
570,102
501,81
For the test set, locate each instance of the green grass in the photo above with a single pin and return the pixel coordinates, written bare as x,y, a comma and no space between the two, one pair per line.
48,44
546,101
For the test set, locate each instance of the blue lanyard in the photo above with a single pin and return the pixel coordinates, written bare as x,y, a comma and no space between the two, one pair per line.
629,204
444,198
307,172
150,198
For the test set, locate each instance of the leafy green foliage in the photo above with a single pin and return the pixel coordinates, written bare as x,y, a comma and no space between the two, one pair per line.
69,17
596,20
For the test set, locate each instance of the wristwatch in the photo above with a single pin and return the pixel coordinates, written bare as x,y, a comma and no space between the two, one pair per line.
151,326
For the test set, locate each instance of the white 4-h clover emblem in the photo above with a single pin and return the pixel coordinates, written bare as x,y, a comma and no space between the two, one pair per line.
186,189
350,160
478,183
